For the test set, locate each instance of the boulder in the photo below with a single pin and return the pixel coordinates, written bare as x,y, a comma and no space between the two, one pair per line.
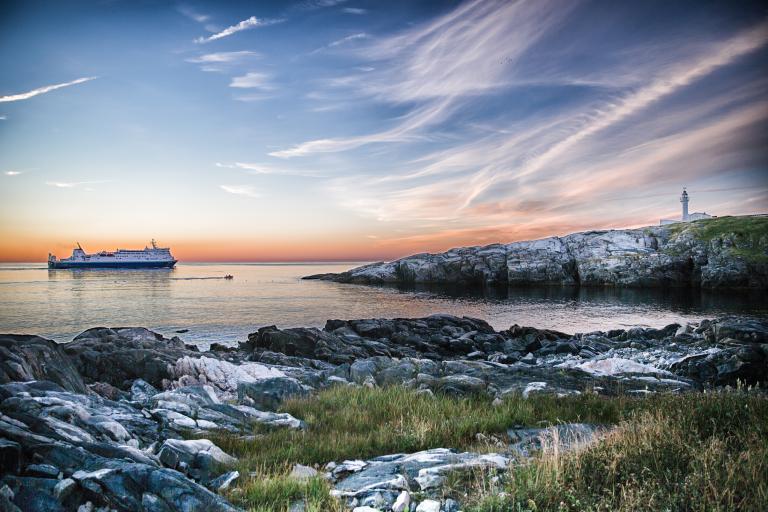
142,391
199,408
558,438
25,358
222,483
746,330
381,481
118,356
268,394
747,364
428,506
198,458
303,473
130,486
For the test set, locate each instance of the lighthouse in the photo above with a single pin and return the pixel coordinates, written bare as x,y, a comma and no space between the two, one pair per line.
687,217
684,201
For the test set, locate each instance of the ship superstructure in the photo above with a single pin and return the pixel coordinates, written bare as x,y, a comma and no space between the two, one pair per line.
149,257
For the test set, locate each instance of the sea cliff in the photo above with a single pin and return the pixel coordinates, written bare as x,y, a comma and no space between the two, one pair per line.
725,252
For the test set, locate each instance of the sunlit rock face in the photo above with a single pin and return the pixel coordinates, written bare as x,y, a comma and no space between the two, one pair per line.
709,254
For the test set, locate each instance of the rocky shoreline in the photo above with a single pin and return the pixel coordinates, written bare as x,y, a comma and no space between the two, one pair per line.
720,253
105,421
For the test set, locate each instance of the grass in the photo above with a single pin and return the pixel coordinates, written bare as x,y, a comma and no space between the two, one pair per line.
698,452
749,234
708,451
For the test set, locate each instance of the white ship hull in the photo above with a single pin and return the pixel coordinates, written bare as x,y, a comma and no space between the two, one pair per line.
149,257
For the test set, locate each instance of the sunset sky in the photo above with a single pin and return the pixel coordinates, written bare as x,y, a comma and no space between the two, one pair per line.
331,129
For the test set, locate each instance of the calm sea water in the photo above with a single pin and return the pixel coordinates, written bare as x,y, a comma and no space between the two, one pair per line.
62,303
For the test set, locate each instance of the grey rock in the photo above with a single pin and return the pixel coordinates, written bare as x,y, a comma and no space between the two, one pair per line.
33,494
118,356
303,473
269,393
450,505
654,256
108,391
142,391
25,358
402,503
199,458
42,470
348,341
64,488
388,476
746,330
747,364
222,482
561,438
428,506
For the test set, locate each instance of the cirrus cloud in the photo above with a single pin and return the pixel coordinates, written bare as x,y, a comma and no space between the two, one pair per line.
242,190
246,24
43,90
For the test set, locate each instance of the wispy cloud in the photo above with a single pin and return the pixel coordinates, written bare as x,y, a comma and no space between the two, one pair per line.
42,90
629,125
13,173
340,42
354,10
73,184
223,57
344,40
241,190
3,118
267,169
193,14
258,84
252,80
606,116
222,61
311,5
441,63
246,24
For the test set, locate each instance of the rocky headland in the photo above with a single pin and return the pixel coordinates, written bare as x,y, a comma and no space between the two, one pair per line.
720,253
119,418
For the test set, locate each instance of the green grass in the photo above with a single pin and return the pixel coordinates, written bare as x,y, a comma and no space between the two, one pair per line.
270,492
747,227
749,234
698,452
345,422
708,449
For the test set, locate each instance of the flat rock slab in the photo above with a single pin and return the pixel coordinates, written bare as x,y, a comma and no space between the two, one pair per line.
560,438
384,478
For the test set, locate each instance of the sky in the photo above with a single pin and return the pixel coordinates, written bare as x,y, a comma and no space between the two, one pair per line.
365,130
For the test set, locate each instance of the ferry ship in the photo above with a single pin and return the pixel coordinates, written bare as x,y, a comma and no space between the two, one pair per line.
149,257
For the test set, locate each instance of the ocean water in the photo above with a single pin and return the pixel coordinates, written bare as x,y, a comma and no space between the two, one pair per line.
60,304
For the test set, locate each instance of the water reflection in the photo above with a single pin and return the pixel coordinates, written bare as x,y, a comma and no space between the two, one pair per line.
683,300
62,303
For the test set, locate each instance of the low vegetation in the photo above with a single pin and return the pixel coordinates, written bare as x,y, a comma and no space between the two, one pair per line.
705,452
669,452
748,235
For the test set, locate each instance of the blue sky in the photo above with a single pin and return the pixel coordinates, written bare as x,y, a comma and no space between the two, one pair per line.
361,129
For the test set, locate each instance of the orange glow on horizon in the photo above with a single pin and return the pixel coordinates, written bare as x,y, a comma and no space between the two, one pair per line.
316,248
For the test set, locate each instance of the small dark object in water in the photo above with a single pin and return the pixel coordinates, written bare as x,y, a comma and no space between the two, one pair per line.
229,276
182,331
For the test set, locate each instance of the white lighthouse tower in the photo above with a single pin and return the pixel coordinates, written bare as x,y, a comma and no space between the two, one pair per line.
687,217
684,200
